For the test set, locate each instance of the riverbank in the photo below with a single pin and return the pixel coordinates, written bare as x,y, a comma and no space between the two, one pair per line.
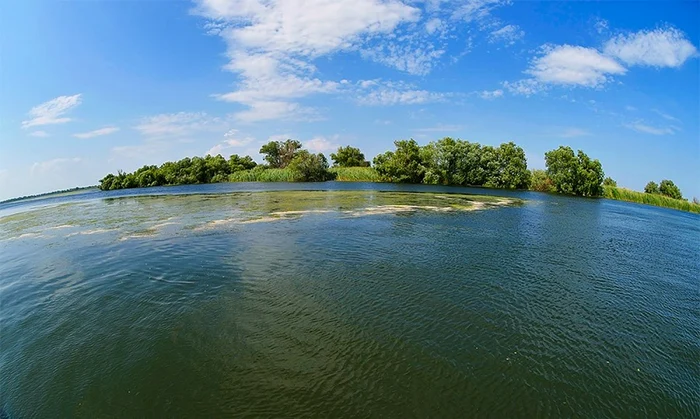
623,194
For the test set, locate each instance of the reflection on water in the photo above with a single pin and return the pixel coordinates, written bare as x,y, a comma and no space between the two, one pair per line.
348,303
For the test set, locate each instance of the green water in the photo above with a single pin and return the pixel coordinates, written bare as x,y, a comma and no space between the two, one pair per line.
210,301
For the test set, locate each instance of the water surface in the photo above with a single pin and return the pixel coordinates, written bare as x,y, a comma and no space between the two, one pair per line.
352,300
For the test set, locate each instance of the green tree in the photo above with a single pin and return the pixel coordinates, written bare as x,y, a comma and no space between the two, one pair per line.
651,187
608,181
279,154
237,163
349,157
508,168
541,182
403,165
574,174
310,167
668,188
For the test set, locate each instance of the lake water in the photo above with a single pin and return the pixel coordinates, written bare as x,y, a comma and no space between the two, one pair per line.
355,300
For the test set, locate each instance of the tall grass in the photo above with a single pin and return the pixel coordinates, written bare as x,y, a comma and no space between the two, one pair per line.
623,194
263,175
355,174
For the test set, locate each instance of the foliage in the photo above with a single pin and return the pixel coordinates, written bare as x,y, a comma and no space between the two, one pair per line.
455,162
349,157
667,188
574,174
541,182
670,189
651,187
355,174
403,165
309,167
650,199
608,181
263,174
280,154
209,169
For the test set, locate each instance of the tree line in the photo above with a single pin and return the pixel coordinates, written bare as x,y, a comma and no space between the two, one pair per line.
446,161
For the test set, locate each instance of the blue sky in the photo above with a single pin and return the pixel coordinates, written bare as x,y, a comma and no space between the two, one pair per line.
88,87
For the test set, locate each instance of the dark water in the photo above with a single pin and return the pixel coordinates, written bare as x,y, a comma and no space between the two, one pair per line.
347,305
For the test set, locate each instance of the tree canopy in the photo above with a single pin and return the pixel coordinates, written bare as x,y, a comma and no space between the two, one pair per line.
278,154
651,187
310,167
666,187
574,174
209,169
608,181
349,157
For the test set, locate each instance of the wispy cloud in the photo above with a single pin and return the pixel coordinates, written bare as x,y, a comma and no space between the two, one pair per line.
179,124
490,94
574,132
648,129
508,35
97,132
438,128
377,92
45,167
52,111
322,144
40,134
666,116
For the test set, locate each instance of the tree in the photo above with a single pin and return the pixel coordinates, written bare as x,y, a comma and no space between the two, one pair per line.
508,168
403,165
279,154
237,163
608,181
574,174
310,167
651,187
349,157
541,182
668,188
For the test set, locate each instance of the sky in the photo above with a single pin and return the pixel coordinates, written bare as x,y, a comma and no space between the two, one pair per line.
91,87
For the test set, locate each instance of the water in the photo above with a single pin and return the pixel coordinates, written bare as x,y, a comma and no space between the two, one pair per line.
199,302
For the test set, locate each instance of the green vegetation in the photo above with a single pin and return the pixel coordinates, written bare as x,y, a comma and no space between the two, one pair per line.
446,161
659,200
455,162
574,174
355,174
349,157
540,182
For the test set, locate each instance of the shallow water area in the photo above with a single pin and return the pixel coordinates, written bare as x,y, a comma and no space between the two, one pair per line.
346,300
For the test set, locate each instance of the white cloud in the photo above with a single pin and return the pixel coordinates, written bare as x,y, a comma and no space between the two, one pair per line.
271,45
40,134
375,93
97,132
574,132
46,167
321,144
574,66
648,129
630,108
435,25
508,34
52,111
656,48
179,124
490,95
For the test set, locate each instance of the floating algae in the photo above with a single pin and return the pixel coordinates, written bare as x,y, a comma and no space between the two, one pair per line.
147,216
